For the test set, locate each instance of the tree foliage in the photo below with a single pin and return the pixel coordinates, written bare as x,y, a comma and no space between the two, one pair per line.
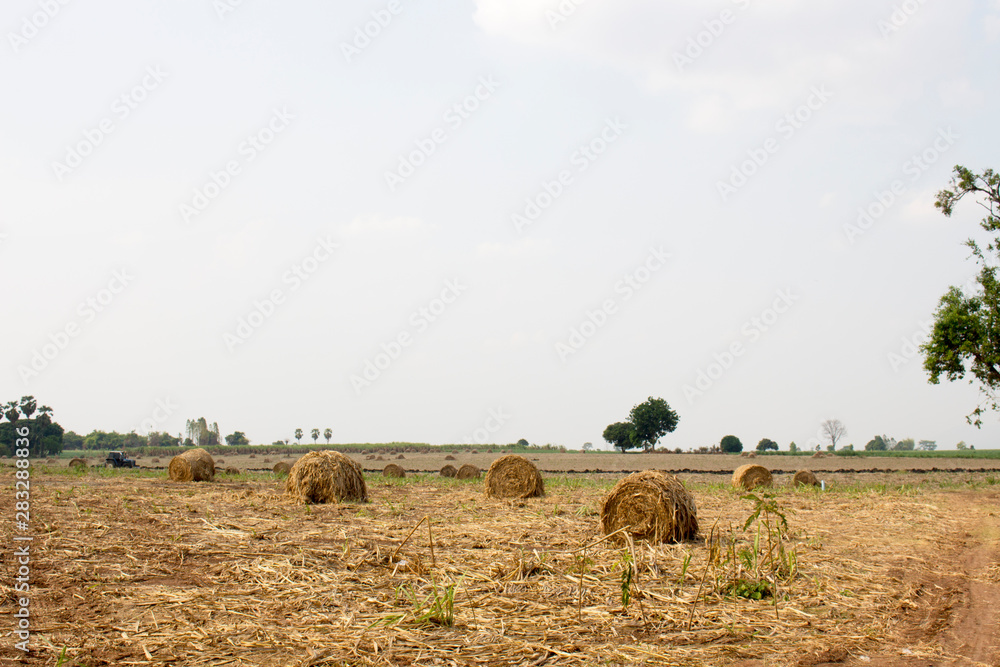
730,444
766,444
237,439
619,435
328,433
45,436
965,339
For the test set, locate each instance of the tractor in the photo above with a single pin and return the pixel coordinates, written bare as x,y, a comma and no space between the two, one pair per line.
118,460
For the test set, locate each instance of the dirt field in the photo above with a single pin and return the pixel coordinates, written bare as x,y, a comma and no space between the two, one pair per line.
129,568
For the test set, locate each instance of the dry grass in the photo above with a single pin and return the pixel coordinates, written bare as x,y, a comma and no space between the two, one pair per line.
650,505
514,476
194,465
751,476
236,573
325,477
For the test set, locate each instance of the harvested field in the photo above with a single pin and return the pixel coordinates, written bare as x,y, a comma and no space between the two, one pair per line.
127,570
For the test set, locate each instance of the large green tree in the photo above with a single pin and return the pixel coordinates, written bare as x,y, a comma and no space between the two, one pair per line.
620,435
731,445
766,444
965,339
651,420
45,437
237,439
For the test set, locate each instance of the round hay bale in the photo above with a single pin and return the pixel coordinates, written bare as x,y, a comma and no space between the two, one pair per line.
156,460
468,471
379,458
475,451
78,463
513,476
50,460
267,460
751,455
194,465
650,505
323,477
282,468
400,457
449,458
744,455
218,461
232,471
253,456
817,455
393,470
750,476
448,470
805,478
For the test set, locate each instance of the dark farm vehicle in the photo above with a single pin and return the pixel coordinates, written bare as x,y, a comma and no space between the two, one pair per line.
118,460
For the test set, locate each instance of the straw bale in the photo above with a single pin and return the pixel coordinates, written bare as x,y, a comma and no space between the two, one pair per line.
281,468
156,460
78,463
322,477
253,456
448,470
513,476
751,455
194,465
400,457
379,458
653,505
232,471
393,470
449,458
805,478
218,461
468,471
818,455
751,475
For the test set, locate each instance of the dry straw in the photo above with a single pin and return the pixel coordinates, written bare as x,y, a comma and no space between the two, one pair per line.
468,471
282,468
323,477
513,476
751,476
78,463
650,505
805,478
448,470
393,470
194,465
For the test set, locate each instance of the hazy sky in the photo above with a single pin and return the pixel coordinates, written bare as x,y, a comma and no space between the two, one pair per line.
488,220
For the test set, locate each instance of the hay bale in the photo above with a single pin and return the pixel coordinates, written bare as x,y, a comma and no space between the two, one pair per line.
513,476
323,477
468,471
156,460
232,471
370,457
448,470
393,470
475,451
805,478
253,456
218,461
750,476
194,465
281,468
379,458
78,463
744,455
400,457
651,505
449,458
751,455
267,460
818,455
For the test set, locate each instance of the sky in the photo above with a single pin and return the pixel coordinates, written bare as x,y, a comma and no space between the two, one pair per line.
480,221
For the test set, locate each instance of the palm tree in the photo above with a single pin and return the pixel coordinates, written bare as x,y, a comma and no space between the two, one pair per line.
315,435
45,414
328,433
11,411
298,435
28,406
